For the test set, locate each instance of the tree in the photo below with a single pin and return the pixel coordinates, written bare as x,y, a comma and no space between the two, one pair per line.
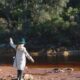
43,21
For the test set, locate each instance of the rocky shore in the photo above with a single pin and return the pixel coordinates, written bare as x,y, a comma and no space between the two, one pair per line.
7,72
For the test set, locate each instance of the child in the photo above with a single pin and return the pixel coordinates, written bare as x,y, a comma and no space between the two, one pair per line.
20,58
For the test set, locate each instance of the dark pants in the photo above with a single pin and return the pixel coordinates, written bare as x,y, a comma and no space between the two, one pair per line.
19,74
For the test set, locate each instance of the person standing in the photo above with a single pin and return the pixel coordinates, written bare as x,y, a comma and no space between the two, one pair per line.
20,57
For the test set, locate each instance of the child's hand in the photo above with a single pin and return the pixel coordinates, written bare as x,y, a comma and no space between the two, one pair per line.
10,39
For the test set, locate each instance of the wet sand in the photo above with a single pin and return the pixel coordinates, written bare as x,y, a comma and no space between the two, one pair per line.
41,72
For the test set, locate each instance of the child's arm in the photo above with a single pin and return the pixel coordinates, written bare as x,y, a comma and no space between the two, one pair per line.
12,43
29,57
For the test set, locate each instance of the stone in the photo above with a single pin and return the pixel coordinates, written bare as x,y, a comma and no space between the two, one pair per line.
28,77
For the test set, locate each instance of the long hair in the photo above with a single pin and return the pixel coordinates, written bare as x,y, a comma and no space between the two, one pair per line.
17,47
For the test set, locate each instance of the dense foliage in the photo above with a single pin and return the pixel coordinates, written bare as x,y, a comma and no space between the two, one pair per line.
45,23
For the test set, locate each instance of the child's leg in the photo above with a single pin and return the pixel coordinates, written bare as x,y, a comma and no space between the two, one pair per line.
19,74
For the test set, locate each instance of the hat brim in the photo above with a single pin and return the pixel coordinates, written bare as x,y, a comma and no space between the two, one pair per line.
21,43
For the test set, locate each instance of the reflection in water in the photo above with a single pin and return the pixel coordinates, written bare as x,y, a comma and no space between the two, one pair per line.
6,60
50,57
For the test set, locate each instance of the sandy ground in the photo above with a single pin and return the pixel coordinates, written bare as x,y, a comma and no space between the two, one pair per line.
7,72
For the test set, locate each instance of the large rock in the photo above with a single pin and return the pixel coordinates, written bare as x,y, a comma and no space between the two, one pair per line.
28,77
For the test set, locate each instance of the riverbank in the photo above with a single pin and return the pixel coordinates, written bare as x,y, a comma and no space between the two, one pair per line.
42,72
